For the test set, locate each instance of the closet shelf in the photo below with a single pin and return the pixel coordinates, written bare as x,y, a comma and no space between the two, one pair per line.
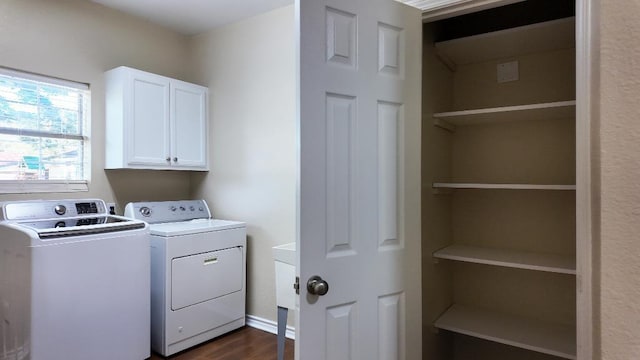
541,111
502,186
509,258
552,339
523,40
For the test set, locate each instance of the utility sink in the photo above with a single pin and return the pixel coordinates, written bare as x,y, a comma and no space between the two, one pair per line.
285,253
284,257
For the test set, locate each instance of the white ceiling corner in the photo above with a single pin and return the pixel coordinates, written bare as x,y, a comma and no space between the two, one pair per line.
192,17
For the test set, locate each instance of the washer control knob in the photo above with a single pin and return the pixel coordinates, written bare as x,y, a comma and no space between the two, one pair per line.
60,224
145,211
60,209
182,208
201,208
172,208
192,208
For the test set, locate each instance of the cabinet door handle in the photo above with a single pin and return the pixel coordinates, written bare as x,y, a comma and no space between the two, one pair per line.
168,159
175,159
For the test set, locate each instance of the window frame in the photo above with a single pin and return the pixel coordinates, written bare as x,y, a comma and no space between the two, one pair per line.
53,186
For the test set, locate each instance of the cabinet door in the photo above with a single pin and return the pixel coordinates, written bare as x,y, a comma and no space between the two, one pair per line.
188,125
148,131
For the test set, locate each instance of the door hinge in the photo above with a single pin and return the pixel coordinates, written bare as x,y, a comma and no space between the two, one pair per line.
296,285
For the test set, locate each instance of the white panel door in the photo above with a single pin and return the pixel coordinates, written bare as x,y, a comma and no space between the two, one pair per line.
189,125
359,104
148,135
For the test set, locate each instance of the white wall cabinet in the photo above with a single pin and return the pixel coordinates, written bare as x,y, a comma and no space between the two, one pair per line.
154,122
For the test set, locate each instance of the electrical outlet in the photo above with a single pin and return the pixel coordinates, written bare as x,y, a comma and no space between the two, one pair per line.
508,72
112,208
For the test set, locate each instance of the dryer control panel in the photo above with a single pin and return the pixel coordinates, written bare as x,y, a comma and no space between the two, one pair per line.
154,212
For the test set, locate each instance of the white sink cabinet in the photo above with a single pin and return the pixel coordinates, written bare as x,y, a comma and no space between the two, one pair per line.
285,262
154,122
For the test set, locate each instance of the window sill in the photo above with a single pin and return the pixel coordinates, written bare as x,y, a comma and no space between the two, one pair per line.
42,186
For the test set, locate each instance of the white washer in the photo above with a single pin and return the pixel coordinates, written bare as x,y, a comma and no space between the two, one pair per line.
74,282
197,273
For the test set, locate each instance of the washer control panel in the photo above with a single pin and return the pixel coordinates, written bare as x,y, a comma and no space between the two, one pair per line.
51,209
155,212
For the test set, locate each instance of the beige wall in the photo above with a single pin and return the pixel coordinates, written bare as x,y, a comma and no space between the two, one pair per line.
250,70
620,179
79,40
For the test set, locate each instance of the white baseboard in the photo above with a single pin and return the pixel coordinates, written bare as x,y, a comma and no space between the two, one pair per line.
269,326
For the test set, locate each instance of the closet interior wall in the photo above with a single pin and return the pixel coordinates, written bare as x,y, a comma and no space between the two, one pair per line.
437,278
515,151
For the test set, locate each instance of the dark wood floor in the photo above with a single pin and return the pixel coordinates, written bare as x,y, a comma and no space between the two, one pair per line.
243,344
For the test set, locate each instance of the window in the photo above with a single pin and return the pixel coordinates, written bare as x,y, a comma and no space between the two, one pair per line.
44,134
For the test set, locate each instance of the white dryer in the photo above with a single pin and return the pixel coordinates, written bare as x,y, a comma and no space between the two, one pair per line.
198,264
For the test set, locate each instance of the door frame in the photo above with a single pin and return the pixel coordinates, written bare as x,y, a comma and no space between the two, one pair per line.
442,9
587,149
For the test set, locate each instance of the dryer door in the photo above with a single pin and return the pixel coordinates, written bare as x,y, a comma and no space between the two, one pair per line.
206,276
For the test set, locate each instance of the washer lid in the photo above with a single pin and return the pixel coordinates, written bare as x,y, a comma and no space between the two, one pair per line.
193,227
79,226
